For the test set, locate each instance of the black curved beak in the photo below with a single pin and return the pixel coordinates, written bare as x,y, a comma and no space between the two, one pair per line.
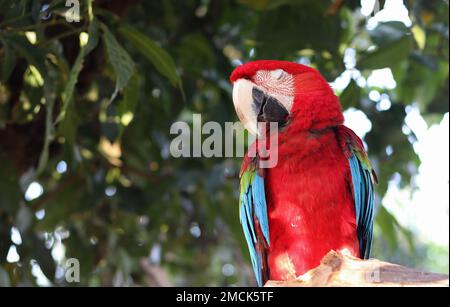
268,108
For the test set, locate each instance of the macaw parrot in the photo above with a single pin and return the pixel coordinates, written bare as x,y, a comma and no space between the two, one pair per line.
319,196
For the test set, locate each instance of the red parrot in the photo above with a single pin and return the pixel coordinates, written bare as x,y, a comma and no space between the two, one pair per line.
319,195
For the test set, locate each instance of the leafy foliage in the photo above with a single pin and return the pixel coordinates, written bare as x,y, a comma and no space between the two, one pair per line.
85,111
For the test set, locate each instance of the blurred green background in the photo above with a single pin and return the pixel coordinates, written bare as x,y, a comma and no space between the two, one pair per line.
86,107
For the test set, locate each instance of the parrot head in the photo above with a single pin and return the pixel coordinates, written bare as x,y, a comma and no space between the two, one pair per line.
295,96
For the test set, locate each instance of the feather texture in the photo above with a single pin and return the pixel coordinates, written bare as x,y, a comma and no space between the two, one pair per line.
254,221
363,178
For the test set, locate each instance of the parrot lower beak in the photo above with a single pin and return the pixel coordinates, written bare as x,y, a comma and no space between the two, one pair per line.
253,105
270,109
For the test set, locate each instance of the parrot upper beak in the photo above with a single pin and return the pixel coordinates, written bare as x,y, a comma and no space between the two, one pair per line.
253,105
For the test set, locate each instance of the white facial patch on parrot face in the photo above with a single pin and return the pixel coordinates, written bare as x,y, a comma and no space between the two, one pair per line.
277,85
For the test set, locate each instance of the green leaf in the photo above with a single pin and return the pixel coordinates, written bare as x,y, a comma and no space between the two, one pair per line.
70,194
387,56
70,86
68,127
92,43
127,105
432,118
195,54
285,31
391,228
422,80
94,36
350,96
387,222
34,56
387,32
162,61
15,12
120,60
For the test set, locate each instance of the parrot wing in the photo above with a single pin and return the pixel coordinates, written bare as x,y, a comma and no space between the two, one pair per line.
363,179
253,217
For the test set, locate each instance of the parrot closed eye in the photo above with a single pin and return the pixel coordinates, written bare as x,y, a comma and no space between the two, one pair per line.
319,196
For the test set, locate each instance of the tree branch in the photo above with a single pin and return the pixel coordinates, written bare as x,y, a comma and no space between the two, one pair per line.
338,269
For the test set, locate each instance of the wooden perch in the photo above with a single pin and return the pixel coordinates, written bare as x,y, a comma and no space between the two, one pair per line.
338,269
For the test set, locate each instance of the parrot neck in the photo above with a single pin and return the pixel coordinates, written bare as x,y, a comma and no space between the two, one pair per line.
312,124
314,112
289,149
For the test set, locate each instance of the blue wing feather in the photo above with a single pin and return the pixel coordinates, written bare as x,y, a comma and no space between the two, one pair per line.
259,199
364,204
253,204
